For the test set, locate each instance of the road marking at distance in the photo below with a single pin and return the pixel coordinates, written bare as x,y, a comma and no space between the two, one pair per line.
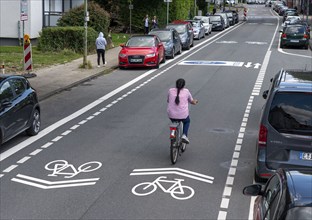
219,63
226,42
257,43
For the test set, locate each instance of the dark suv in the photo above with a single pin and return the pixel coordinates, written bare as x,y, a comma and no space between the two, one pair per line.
285,133
185,30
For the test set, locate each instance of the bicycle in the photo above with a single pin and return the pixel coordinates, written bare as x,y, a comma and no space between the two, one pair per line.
176,143
176,190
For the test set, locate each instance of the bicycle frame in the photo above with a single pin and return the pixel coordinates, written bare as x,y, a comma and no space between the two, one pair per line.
176,183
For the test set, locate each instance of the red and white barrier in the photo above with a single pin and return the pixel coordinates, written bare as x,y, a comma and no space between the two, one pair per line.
27,57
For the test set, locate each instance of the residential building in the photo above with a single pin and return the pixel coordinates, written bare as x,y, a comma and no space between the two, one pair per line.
18,17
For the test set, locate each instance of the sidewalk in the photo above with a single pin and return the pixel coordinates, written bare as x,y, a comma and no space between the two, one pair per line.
58,78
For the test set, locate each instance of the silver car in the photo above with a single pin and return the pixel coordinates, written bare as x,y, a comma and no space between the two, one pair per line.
206,22
198,28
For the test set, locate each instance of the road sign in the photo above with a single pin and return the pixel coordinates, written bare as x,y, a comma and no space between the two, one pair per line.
167,0
130,7
24,10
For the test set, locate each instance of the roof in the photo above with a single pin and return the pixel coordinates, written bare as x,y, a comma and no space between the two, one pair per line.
300,186
295,80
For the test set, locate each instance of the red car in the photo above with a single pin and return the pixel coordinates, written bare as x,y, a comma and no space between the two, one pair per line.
142,51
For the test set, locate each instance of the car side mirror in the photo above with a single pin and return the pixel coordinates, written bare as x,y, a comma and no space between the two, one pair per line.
253,190
265,94
122,45
160,45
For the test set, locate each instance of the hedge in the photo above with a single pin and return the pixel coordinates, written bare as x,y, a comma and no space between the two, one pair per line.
72,38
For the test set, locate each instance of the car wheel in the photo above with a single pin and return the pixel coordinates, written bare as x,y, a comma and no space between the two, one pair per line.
188,46
157,64
35,123
173,53
164,59
180,50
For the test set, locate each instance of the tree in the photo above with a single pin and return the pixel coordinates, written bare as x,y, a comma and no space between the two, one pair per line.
99,18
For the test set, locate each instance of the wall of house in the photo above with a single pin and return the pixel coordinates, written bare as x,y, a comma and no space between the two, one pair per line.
10,31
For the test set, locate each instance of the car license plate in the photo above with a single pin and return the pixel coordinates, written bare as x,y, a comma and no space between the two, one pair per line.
305,156
136,60
294,41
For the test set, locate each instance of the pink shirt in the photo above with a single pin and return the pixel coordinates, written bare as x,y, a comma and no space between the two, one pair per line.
180,111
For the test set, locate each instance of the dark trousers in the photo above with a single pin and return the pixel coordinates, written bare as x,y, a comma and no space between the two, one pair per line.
146,30
186,123
100,52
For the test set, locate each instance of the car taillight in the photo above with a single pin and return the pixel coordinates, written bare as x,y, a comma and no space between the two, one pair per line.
305,36
284,35
262,139
172,132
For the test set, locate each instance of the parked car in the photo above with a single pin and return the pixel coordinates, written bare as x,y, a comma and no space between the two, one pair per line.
171,40
295,35
289,13
235,15
19,108
225,18
217,22
285,131
287,195
230,17
142,51
185,31
198,28
206,22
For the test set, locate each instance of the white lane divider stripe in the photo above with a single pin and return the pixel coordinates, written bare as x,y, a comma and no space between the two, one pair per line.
10,168
35,152
23,160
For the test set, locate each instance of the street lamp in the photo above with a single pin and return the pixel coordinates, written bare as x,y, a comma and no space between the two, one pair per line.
194,7
130,8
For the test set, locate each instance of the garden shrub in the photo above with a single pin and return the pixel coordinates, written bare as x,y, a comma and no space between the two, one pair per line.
72,38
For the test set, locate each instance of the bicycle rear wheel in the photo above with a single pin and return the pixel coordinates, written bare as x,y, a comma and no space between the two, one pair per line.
174,151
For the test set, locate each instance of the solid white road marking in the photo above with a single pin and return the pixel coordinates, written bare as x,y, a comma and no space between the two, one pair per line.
257,43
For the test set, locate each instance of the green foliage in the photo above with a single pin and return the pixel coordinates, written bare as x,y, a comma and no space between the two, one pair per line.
99,19
72,38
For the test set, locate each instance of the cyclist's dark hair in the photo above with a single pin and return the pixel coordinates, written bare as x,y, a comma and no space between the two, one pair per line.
180,83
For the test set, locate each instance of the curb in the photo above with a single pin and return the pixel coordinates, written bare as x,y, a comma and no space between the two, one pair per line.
57,91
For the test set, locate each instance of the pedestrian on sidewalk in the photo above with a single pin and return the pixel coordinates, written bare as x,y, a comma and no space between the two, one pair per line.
154,22
146,24
100,48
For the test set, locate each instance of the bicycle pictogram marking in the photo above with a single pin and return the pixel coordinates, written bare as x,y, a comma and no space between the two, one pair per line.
176,190
62,167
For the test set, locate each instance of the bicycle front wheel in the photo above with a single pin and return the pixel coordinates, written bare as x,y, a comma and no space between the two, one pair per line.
182,193
144,189
174,151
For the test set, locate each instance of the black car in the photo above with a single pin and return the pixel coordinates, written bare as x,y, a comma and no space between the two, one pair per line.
171,40
19,107
217,22
235,15
285,129
287,195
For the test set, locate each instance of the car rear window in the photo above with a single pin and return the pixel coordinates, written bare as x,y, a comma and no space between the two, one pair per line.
215,18
141,42
295,30
180,28
291,112
163,35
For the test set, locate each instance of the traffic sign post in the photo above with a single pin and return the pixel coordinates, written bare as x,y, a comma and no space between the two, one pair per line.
167,1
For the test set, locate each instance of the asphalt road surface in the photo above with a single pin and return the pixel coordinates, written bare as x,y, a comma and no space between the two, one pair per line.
103,152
